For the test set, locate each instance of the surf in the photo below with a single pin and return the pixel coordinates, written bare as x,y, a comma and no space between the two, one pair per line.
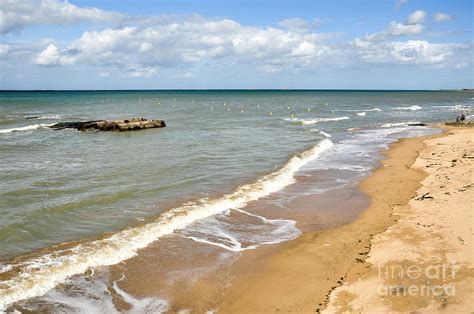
38,275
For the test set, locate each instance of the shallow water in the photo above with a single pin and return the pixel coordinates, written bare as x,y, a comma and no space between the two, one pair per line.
116,193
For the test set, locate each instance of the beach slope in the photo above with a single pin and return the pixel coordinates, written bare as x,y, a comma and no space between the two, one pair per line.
424,261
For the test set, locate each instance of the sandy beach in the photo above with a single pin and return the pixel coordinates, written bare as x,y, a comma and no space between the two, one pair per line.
424,261
419,217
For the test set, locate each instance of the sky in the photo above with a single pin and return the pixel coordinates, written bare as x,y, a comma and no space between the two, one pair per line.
191,44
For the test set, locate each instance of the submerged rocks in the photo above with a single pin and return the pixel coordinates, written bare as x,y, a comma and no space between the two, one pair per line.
111,125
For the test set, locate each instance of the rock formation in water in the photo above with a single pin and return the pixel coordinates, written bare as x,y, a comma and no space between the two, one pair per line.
111,125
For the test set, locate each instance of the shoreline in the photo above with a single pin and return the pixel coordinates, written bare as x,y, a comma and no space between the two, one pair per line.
424,261
299,273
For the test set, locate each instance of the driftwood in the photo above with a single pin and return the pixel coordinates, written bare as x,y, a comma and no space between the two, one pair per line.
111,125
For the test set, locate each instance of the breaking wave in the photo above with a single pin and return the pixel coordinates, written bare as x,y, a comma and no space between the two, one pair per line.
412,108
24,128
317,120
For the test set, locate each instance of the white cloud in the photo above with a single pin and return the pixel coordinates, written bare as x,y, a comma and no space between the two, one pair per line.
52,56
140,51
4,48
137,71
399,29
419,52
442,17
104,74
294,24
382,47
398,3
18,14
416,17
187,44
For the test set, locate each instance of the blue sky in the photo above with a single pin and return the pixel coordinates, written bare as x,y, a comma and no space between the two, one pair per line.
378,44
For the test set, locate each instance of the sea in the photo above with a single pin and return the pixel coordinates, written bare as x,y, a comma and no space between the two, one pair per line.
82,212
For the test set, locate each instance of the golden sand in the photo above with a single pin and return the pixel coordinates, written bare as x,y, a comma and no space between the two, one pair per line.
346,269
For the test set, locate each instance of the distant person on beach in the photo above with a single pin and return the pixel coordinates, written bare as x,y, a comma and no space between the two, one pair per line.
458,119
463,117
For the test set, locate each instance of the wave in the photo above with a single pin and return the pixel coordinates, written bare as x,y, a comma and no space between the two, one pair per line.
24,128
455,107
412,108
362,109
45,117
361,114
38,275
317,120
399,124
325,134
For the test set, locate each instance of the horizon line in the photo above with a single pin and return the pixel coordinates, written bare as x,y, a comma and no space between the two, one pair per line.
232,89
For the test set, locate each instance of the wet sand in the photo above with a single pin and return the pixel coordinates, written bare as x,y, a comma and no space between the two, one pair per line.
298,276
293,276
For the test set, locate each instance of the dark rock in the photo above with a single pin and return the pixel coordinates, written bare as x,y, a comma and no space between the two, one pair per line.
111,125
417,124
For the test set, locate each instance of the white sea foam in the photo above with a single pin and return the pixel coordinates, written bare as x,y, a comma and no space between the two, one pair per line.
40,274
50,117
327,135
24,128
361,114
375,109
249,236
316,120
455,107
398,124
92,295
412,108
5,268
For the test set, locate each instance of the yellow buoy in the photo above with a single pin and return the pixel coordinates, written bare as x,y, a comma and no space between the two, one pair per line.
212,108
242,110
309,109
288,108
228,109
270,113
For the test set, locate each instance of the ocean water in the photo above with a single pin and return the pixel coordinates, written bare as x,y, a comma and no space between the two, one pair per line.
73,202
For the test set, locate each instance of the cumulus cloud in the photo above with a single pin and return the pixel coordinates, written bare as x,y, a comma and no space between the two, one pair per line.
399,29
383,47
18,14
52,56
141,51
409,52
442,17
416,17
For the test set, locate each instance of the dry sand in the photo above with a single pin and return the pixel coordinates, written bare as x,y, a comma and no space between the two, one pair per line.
337,269
424,262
